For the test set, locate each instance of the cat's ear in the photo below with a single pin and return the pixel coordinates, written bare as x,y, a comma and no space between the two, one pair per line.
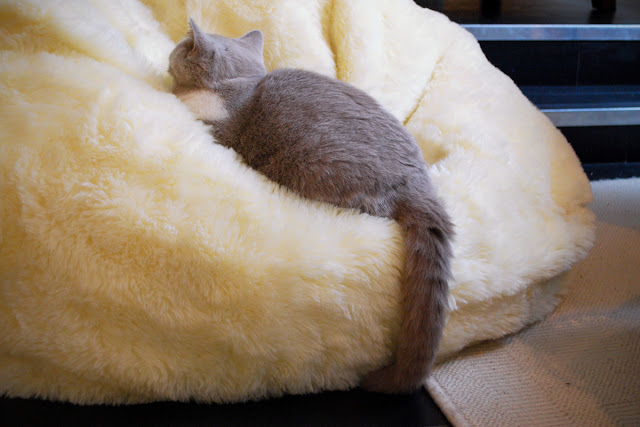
254,39
198,37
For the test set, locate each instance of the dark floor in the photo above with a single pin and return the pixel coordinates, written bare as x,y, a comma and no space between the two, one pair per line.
353,408
534,11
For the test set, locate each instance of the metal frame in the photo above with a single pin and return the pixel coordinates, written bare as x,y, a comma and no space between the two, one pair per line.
587,32
573,117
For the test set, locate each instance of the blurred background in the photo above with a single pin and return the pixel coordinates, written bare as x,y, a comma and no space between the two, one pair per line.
577,60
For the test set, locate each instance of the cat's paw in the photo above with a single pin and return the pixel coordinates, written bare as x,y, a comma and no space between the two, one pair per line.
386,380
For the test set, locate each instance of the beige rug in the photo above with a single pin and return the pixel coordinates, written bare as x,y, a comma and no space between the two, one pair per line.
581,366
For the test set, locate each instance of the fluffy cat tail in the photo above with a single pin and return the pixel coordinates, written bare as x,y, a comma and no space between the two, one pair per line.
425,296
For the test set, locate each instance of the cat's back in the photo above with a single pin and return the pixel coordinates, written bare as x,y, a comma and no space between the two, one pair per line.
326,140
306,92
297,106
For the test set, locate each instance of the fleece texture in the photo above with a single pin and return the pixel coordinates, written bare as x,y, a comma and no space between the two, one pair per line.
140,261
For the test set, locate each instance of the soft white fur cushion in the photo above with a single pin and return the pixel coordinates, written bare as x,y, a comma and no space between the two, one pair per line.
140,261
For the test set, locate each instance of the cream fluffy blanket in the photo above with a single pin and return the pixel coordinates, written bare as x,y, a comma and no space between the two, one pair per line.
140,261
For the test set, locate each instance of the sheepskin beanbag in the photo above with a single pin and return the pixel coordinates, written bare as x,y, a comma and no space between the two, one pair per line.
140,261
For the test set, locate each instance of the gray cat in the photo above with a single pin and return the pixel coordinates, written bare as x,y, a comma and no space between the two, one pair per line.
329,141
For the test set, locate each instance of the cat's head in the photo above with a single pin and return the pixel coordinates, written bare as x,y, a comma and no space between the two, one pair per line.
202,59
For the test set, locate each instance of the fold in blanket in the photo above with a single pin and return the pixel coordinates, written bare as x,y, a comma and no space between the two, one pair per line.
140,261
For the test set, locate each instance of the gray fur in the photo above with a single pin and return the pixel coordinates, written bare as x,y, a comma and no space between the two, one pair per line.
329,141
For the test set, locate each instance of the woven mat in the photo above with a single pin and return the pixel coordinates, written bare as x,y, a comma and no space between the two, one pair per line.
580,366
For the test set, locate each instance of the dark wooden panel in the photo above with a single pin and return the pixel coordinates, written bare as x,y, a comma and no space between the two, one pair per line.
566,63
605,144
609,62
535,63
534,11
